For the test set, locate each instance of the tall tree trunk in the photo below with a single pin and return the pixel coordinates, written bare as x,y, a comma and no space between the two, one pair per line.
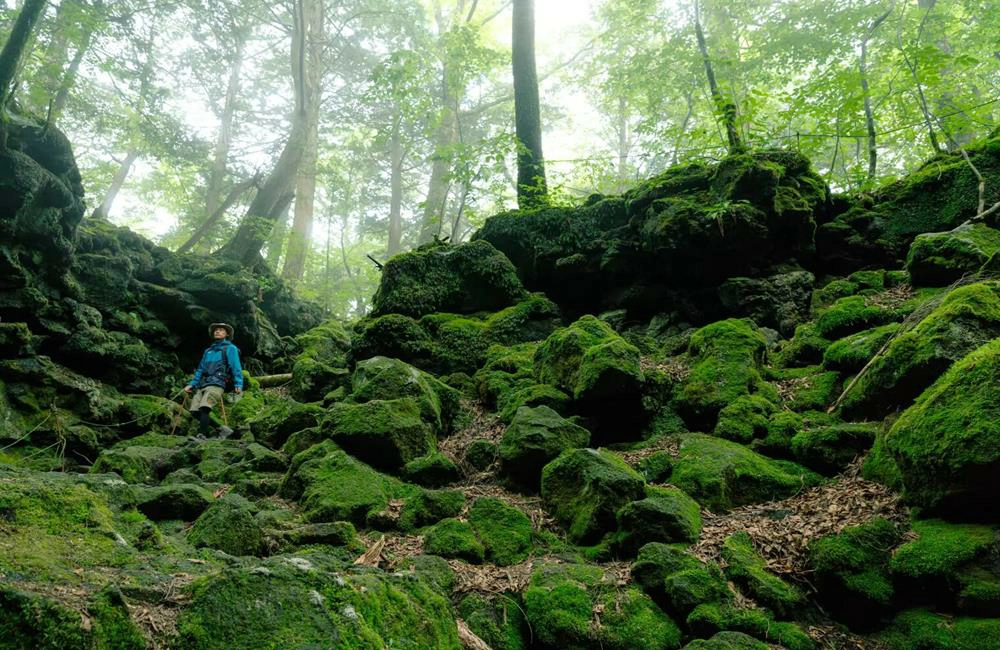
531,186
145,83
10,56
278,190
623,143
866,93
223,141
276,242
209,223
931,132
305,182
69,77
395,189
725,108
102,211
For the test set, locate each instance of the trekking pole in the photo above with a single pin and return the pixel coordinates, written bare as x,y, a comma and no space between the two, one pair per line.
177,416
222,403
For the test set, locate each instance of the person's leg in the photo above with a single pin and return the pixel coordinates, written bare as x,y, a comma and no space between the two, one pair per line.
204,420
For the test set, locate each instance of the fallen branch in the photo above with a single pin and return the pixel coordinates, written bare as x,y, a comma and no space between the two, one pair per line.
469,639
270,381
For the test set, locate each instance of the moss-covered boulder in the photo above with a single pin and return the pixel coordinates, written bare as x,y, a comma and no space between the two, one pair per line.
665,515
321,366
432,470
727,641
175,501
965,319
938,259
947,445
454,538
852,570
915,629
504,530
310,600
853,352
780,302
429,507
584,488
677,580
748,569
745,418
563,600
499,621
381,378
726,358
829,449
711,618
228,525
721,474
590,362
333,486
535,437
272,422
443,278
383,433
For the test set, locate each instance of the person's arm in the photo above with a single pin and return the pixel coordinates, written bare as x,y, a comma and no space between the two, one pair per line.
233,355
197,373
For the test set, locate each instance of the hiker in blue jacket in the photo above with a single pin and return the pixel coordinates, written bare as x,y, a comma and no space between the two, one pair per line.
219,369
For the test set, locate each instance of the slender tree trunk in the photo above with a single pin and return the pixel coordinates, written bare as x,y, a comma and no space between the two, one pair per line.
395,189
276,243
278,190
10,56
531,186
69,77
623,144
102,211
223,142
689,98
145,82
931,132
866,92
209,223
438,186
305,182
724,108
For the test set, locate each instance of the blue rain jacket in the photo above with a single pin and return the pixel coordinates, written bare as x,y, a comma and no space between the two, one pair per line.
212,369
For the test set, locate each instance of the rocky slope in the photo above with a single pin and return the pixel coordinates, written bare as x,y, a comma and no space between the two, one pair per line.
724,410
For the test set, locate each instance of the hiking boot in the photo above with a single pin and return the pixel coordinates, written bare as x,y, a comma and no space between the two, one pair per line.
224,432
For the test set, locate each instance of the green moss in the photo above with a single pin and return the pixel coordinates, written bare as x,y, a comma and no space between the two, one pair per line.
833,291
381,378
710,618
918,629
384,433
430,506
313,602
584,488
744,419
851,353
946,444
940,258
228,525
433,470
666,515
686,589
726,358
852,314
535,437
720,474
748,569
941,548
274,421
589,361
830,449
498,621
526,394
454,538
809,388
880,466
443,278
504,530
657,467
481,454
433,570
852,567
727,641
805,347
967,318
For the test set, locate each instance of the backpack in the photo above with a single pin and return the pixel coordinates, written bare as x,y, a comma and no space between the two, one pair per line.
230,382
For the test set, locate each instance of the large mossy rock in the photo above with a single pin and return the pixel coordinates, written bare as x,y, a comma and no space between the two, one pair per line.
321,366
965,319
938,259
947,445
590,362
228,525
748,569
584,488
444,343
721,474
505,531
938,197
915,629
443,278
333,486
562,600
667,514
677,580
535,437
725,360
381,378
383,433
780,302
312,601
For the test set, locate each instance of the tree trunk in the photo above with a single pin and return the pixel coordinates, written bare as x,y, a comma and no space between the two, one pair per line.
69,77
531,186
395,189
438,186
102,211
217,175
278,190
10,56
724,108
276,243
866,92
305,182
623,144
209,223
